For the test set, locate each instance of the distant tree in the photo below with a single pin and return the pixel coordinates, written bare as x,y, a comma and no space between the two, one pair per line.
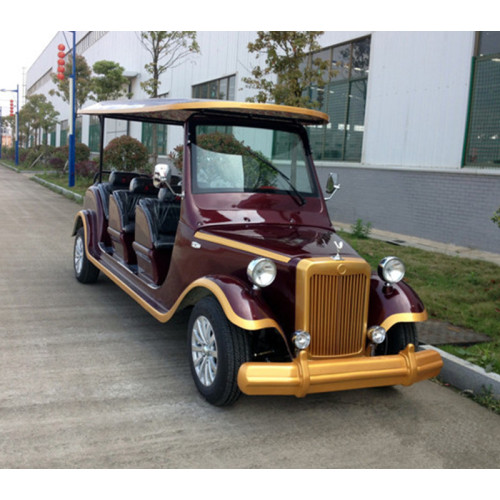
109,82
290,67
167,49
38,114
83,81
496,217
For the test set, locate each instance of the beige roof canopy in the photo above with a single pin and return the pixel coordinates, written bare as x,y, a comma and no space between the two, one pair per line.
177,111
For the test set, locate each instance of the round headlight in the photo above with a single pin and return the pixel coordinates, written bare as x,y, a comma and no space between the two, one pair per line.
391,270
261,272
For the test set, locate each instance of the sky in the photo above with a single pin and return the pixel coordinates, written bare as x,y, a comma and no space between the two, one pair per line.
24,40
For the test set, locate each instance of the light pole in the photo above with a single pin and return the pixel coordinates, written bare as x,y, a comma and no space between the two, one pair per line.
72,129
16,90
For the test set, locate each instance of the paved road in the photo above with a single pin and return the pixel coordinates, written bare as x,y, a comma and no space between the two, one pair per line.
90,380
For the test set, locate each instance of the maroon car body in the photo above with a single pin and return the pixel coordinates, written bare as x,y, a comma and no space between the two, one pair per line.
248,208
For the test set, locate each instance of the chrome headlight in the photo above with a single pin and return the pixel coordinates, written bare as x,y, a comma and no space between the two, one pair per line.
261,272
391,270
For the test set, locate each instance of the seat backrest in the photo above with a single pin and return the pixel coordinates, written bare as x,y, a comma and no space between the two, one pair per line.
117,180
126,200
163,217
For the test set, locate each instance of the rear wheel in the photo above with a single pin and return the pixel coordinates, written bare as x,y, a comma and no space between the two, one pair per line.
217,349
85,271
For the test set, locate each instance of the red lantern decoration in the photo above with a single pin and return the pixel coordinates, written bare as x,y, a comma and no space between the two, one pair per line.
11,107
60,61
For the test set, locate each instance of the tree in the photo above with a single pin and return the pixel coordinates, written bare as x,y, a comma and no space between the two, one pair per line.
496,217
290,67
38,114
109,82
83,78
167,50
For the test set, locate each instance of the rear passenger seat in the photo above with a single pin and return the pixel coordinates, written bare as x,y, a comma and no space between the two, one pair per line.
117,180
122,205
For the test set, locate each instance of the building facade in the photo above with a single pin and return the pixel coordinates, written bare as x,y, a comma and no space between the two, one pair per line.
415,120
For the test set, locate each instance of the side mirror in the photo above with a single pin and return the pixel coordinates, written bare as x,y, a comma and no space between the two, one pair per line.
161,176
332,185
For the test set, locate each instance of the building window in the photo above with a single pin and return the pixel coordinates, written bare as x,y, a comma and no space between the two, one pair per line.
483,130
94,134
161,137
343,98
63,138
223,89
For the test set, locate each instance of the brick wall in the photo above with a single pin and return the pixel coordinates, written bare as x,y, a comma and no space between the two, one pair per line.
449,207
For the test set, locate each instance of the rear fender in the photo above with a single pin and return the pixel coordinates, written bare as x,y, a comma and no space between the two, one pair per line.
393,304
88,220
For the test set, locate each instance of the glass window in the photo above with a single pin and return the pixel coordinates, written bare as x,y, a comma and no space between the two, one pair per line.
343,98
222,89
161,137
248,159
483,134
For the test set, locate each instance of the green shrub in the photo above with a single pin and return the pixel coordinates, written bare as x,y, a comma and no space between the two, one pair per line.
361,230
126,154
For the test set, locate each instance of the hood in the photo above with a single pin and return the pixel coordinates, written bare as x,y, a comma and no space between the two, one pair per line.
289,240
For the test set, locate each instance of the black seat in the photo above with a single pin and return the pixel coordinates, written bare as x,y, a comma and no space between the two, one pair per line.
117,180
163,216
121,225
126,201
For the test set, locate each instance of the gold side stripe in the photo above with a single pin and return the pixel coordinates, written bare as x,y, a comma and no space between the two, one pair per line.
163,317
241,246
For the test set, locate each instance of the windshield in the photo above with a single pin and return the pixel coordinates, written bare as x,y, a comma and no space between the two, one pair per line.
237,159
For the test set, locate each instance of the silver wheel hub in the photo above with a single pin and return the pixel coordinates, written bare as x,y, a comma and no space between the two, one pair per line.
79,253
204,351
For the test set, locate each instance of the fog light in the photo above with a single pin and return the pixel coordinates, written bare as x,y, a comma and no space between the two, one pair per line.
301,339
376,334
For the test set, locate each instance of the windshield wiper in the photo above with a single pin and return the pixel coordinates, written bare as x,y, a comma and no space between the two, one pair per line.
301,201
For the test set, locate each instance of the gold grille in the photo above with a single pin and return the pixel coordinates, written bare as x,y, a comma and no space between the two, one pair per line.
332,305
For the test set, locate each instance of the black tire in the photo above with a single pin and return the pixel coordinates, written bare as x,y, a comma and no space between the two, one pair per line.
85,271
400,335
217,349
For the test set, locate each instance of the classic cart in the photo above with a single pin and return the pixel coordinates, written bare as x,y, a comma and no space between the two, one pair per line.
280,305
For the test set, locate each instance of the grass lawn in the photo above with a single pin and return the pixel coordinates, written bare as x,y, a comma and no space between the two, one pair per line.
81,183
460,291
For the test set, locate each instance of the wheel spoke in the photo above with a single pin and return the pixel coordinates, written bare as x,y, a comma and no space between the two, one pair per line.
204,351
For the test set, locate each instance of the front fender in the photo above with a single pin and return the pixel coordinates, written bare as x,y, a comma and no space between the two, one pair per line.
395,304
242,305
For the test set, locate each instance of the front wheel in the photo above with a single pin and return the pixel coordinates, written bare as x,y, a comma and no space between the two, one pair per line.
85,271
217,349
400,335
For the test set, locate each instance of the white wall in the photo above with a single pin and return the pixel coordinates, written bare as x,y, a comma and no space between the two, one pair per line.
417,98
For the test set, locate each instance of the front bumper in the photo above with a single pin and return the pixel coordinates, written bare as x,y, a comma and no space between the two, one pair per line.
305,376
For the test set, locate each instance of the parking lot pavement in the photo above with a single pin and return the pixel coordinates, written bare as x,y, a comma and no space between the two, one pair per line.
90,380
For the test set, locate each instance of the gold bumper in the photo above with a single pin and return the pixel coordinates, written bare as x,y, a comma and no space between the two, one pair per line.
305,376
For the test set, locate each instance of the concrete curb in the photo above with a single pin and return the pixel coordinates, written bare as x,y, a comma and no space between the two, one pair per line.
466,376
58,189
